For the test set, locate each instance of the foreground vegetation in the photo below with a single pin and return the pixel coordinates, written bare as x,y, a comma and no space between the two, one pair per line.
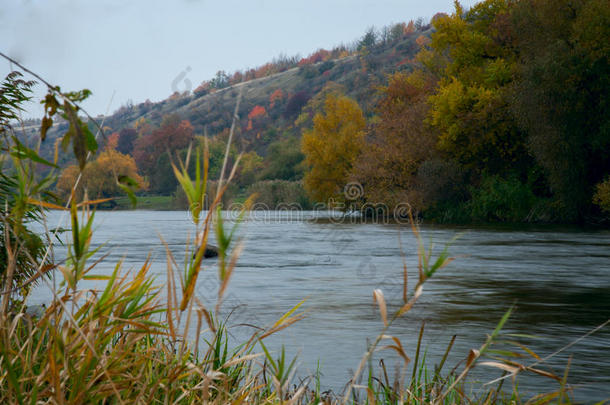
132,341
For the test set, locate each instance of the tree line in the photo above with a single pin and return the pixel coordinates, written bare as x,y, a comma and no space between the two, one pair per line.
504,117
501,116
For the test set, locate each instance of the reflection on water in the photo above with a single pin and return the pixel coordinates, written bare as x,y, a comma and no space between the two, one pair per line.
557,278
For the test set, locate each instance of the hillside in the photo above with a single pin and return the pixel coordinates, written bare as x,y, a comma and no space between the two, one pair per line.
359,74
358,69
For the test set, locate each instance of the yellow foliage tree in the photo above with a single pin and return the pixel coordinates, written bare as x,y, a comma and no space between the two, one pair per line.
99,178
332,146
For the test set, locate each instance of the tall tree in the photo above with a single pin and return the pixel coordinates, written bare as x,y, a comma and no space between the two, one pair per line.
562,92
470,108
332,146
399,142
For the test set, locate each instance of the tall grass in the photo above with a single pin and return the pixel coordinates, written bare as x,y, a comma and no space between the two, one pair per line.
136,341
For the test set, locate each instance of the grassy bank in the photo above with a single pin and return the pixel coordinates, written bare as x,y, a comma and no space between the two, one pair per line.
156,203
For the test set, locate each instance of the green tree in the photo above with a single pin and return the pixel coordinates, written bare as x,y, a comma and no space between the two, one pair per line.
471,106
284,160
368,40
561,95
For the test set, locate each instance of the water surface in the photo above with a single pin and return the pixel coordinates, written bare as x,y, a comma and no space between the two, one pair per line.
557,278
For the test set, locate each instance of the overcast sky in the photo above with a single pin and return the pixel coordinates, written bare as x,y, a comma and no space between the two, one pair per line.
135,49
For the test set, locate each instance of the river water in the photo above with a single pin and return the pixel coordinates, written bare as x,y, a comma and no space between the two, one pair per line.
558,280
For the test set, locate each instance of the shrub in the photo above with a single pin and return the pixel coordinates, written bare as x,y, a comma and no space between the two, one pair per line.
501,200
272,193
601,198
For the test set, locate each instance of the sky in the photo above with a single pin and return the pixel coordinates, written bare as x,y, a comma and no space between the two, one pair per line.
144,49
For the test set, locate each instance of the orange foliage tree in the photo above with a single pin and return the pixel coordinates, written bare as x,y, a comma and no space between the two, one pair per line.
276,97
99,179
399,142
174,134
257,113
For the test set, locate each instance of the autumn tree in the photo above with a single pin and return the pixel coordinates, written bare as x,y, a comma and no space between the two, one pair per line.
470,108
399,142
173,134
332,146
316,103
112,141
99,178
276,98
127,138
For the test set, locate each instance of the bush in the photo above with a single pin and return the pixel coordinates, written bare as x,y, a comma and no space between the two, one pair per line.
272,193
601,198
439,181
502,200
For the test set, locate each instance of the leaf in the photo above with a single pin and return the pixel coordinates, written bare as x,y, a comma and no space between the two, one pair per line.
502,366
472,356
78,96
89,138
45,204
129,185
21,151
50,103
94,202
79,142
47,122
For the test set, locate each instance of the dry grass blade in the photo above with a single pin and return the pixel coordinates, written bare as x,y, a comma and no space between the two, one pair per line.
405,274
286,320
223,286
370,395
397,347
502,366
231,131
380,300
242,359
407,307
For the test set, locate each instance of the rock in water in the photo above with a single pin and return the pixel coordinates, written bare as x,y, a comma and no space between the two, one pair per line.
210,251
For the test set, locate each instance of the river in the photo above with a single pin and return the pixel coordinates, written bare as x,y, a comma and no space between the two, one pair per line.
557,278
